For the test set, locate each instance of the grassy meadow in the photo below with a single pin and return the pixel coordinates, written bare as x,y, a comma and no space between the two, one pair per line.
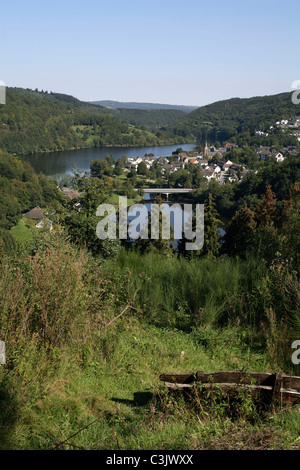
87,340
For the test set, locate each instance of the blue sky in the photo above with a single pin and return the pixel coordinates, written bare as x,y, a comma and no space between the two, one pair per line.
168,51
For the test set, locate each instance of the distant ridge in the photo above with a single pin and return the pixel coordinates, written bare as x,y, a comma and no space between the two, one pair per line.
144,106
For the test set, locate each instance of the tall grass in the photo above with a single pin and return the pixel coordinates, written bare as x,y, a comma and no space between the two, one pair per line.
198,292
86,338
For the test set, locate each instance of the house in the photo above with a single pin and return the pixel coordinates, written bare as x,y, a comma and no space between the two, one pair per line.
170,167
138,160
210,154
297,135
70,193
174,167
261,133
293,151
164,168
134,166
227,165
278,157
264,153
227,176
244,172
163,160
217,168
45,223
149,160
209,174
36,214
222,150
232,177
186,160
182,156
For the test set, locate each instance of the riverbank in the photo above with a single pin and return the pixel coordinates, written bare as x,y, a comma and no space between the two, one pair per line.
85,147
62,163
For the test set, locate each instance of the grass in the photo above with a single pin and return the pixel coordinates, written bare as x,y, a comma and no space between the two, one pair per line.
123,392
23,231
114,199
76,367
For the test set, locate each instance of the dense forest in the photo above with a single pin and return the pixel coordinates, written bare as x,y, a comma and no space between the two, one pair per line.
237,119
144,106
21,189
38,121
153,119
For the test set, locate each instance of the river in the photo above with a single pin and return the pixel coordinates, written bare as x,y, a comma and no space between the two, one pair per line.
62,163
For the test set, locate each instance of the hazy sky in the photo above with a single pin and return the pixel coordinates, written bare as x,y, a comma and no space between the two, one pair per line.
189,52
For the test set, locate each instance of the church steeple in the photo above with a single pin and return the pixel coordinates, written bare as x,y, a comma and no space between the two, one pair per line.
205,149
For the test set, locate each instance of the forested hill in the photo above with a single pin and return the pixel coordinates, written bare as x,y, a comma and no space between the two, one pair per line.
144,106
38,121
153,119
225,119
53,97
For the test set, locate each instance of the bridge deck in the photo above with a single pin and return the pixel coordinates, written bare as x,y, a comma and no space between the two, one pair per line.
167,190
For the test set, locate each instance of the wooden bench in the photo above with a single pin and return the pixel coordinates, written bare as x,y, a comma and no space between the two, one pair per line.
285,388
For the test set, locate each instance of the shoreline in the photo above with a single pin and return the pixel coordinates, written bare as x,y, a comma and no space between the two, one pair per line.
102,147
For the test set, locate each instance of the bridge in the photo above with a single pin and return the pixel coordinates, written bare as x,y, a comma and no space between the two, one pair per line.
167,191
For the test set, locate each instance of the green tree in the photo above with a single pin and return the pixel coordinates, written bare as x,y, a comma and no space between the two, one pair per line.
81,221
100,167
142,169
160,245
180,179
291,227
212,224
239,231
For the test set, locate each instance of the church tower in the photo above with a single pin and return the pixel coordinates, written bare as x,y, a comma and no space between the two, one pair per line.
205,150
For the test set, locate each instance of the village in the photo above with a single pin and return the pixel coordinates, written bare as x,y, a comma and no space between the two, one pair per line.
215,163
212,163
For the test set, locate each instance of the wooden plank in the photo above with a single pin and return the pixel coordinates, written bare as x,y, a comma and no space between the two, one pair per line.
291,382
261,378
177,378
283,394
181,386
216,377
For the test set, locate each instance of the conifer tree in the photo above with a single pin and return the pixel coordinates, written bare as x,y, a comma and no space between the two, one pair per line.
211,229
266,208
239,231
159,245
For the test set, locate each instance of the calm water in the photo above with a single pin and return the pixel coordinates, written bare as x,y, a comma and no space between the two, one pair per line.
61,163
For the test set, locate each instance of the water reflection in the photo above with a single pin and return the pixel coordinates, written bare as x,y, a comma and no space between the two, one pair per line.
62,163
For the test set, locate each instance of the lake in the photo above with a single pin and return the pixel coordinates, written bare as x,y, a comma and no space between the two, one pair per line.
61,163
